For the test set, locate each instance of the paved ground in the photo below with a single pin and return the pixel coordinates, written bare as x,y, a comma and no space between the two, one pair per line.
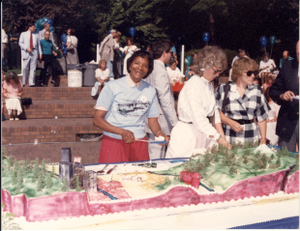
88,151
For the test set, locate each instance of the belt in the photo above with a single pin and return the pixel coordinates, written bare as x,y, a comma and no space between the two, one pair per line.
186,122
208,117
244,121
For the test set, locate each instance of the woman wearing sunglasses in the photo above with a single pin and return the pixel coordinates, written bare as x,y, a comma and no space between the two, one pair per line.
199,124
243,104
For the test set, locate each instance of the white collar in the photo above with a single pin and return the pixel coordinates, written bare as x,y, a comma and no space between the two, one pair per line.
131,83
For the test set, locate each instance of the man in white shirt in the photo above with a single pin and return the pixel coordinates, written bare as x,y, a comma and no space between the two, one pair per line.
106,51
159,78
42,32
4,44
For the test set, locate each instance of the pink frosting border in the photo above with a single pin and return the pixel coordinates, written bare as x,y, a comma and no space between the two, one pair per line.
76,204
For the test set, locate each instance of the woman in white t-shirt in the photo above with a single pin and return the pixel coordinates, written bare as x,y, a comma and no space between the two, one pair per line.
128,50
266,66
102,75
174,73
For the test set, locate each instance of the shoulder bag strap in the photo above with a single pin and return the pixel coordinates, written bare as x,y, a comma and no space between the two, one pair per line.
225,96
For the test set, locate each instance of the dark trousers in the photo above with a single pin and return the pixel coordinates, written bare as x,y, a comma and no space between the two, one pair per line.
49,60
15,56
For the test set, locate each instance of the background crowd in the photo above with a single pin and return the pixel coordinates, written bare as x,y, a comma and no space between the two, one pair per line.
246,109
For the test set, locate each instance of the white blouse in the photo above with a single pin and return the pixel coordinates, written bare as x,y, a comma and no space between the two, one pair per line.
174,74
197,102
73,40
264,64
101,74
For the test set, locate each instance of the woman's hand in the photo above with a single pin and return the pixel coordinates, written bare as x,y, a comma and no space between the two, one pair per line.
101,81
224,142
236,126
167,138
127,136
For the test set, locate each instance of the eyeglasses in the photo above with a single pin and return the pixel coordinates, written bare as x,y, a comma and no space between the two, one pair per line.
217,71
249,73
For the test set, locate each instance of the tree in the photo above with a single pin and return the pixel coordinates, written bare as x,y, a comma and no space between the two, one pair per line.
35,170
48,181
40,184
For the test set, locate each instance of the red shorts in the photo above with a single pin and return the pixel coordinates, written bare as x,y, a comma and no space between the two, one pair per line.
114,150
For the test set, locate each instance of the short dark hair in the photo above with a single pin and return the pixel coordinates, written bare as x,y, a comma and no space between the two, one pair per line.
266,54
172,61
241,50
11,75
72,31
30,24
142,54
129,39
160,46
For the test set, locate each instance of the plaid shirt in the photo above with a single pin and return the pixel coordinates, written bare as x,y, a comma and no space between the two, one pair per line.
253,105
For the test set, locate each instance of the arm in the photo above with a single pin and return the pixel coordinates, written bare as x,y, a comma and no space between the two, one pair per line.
22,44
40,52
278,92
4,92
165,97
262,130
233,124
156,129
100,122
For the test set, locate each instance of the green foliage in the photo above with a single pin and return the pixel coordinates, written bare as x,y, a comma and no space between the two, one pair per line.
52,172
255,144
232,170
40,184
14,176
3,152
10,161
36,170
278,162
48,181
271,158
7,220
78,188
247,144
64,185
43,168
284,152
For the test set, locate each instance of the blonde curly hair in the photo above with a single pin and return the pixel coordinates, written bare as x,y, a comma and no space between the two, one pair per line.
210,56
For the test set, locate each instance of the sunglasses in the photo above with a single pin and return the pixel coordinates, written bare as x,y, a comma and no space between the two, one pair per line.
216,71
249,73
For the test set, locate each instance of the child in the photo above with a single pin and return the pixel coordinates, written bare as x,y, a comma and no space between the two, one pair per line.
174,73
189,72
102,75
270,79
12,91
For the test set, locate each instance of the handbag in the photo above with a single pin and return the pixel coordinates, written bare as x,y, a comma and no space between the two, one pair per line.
26,101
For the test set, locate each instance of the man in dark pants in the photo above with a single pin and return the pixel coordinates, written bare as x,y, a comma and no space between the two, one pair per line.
284,92
49,59
15,54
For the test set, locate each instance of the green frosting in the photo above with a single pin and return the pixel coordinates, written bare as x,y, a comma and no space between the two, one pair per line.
220,167
24,183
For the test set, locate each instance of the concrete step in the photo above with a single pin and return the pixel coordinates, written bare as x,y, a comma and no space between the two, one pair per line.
62,80
55,93
49,109
47,130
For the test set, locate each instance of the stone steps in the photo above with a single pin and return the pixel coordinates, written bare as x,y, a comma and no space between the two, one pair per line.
47,130
49,109
58,93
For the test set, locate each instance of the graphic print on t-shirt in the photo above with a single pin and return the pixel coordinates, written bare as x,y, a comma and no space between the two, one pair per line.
133,107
